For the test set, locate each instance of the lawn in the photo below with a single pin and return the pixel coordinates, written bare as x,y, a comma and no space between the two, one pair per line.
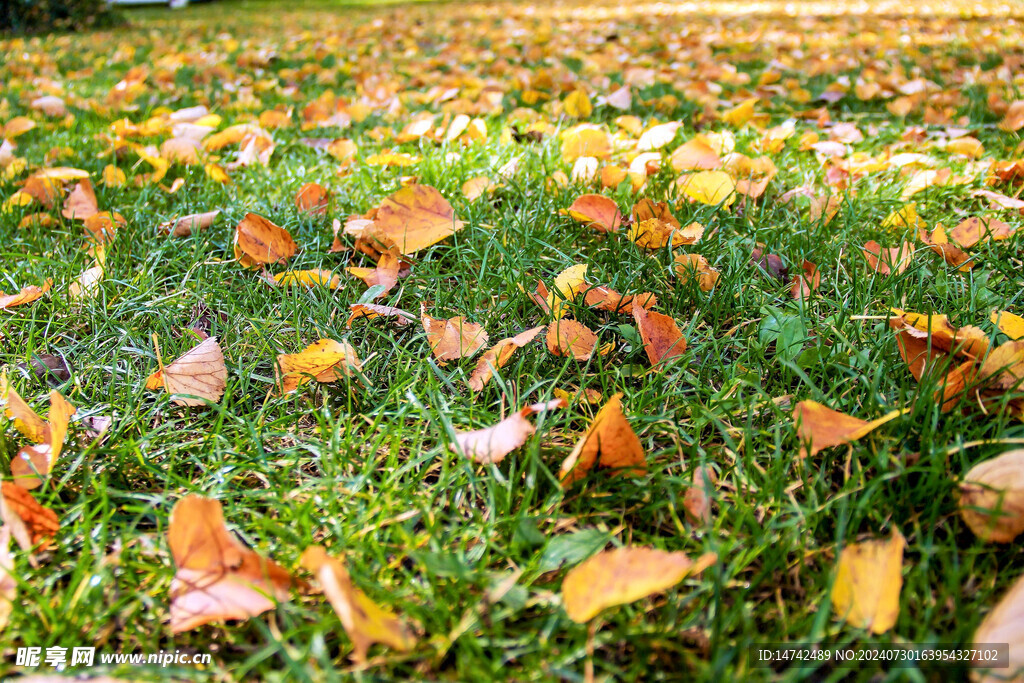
828,124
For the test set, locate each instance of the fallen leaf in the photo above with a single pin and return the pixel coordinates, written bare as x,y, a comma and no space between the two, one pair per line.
81,203
8,584
951,254
974,230
807,282
697,498
196,377
325,361
585,141
588,396
217,577
1009,324
1004,624
596,211
385,274
308,278
402,318
1004,366
606,299
31,463
188,225
258,241
568,285
866,591
101,227
577,104
695,155
654,226
497,356
661,336
474,188
312,198
624,575
884,260
609,442
33,526
415,218
709,187
453,338
492,444
770,263
991,498
823,427
571,339
365,622
26,296
688,266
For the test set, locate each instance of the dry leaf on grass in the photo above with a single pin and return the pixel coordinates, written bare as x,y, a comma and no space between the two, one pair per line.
26,296
606,299
974,230
885,260
866,592
697,498
308,279
258,241
1004,624
568,285
991,498
189,225
708,187
807,282
195,378
312,198
571,339
81,202
950,253
1009,324
661,336
414,218
385,273
497,356
689,266
623,575
595,211
365,622
370,311
218,578
1003,368
609,442
820,427
453,338
37,460
492,444
324,361
32,525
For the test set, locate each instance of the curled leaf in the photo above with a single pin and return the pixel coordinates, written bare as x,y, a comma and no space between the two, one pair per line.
820,427
609,442
492,444
497,356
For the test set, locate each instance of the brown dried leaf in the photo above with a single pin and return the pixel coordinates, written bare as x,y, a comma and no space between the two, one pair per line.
81,203
370,311
609,442
571,339
258,241
661,336
498,355
196,377
188,225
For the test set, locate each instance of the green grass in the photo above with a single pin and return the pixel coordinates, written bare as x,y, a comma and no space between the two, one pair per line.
364,468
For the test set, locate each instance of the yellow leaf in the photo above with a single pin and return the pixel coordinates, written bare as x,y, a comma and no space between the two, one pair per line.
113,176
453,338
1009,324
624,575
325,361
308,278
414,218
866,592
577,104
709,187
568,284
365,622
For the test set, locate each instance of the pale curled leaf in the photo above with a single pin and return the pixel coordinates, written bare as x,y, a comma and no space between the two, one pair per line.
497,356
492,444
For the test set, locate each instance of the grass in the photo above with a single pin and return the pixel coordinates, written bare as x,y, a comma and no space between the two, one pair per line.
364,468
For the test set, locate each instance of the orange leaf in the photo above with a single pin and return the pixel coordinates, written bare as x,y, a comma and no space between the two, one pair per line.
807,282
1009,324
196,377
654,226
974,230
402,318
26,296
492,444
257,241
35,461
325,361
102,226
32,525
218,578
312,198
695,155
688,266
596,211
609,442
453,338
571,339
623,575
606,299
386,273
823,427
497,356
308,278
81,203
414,218
661,336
